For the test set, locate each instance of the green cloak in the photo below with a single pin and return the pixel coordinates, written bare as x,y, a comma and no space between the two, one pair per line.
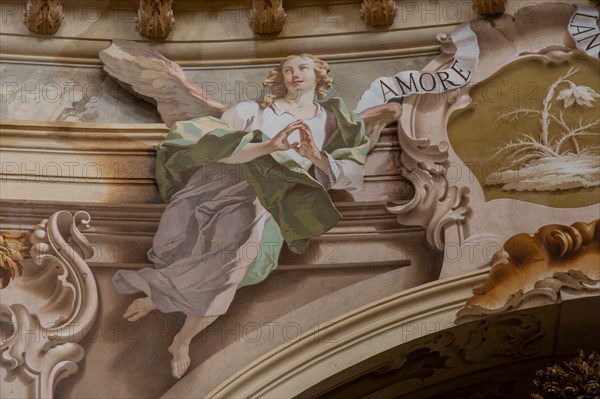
300,206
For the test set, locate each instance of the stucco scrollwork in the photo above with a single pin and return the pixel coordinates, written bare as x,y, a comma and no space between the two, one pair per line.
47,310
43,16
450,202
378,12
436,203
503,339
510,336
267,16
535,269
155,18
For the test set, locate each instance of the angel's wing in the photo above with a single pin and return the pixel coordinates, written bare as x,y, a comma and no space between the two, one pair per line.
147,74
376,119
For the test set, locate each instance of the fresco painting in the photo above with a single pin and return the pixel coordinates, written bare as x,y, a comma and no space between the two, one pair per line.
515,109
287,207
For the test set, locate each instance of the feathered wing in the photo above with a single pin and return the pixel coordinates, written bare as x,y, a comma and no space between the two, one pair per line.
147,74
377,118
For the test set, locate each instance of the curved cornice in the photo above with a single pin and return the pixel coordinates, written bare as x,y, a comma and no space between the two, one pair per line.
114,163
232,53
337,350
214,35
292,366
133,225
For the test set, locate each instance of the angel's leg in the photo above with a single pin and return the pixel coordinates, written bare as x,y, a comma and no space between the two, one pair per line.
139,308
181,343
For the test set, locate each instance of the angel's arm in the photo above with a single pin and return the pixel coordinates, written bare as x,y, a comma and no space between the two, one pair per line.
348,175
333,174
377,118
248,153
240,117
252,151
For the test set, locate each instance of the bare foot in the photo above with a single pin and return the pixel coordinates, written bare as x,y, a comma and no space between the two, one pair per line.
181,359
139,308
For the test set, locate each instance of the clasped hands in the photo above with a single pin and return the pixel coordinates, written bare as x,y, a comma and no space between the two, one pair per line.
306,147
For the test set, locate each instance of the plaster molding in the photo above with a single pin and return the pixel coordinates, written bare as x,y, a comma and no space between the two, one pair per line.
43,16
302,362
430,361
122,235
155,18
378,12
329,32
114,163
267,16
453,349
395,347
49,309
233,53
534,269
221,33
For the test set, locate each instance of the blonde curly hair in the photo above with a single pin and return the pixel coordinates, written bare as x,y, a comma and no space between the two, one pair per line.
278,90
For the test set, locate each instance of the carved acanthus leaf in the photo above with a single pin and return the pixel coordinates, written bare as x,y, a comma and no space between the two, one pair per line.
490,7
48,310
535,269
468,347
508,336
378,12
12,253
579,379
267,16
43,16
155,18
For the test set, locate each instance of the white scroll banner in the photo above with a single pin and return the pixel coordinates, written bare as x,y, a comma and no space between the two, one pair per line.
583,28
414,82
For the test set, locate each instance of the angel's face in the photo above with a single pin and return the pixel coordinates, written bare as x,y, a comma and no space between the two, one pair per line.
299,75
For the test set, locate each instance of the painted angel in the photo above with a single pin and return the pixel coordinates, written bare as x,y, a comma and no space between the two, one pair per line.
240,181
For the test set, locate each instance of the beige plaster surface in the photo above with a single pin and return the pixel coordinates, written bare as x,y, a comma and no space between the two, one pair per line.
121,355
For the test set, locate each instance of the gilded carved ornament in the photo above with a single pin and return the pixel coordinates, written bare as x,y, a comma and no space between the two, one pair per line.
580,378
533,270
48,308
378,12
267,16
12,251
43,16
489,7
155,18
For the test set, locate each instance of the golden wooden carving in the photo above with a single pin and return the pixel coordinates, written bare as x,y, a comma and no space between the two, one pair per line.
378,12
534,268
489,7
267,16
155,18
12,251
579,379
43,16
